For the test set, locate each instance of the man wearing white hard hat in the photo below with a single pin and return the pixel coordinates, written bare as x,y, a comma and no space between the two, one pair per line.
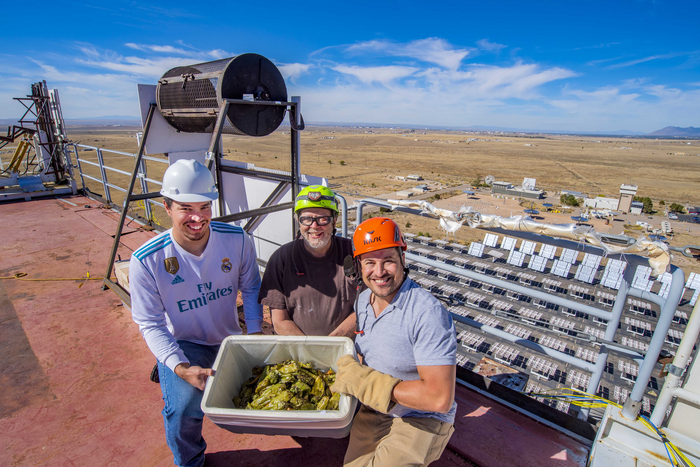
184,284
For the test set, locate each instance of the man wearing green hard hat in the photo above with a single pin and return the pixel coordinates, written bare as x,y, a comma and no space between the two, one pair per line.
304,282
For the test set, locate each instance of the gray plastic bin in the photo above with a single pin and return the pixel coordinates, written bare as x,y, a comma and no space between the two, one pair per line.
234,364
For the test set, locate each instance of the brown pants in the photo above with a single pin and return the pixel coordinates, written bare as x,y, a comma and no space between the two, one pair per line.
379,440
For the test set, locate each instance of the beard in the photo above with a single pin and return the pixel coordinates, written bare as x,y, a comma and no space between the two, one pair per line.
317,244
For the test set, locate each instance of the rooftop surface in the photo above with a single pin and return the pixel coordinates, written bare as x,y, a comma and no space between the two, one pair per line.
75,389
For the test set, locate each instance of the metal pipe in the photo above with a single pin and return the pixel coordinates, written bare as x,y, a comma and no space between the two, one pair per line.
668,310
92,178
610,330
561,356
213,154
117,236
254,212
144,189
651,297
606,315
104,175
295,113
149,196
668,391
107,150
106,167
274,197
277,176
687,396
343,215
80,169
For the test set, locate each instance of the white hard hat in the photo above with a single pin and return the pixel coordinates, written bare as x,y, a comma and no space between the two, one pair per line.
189,181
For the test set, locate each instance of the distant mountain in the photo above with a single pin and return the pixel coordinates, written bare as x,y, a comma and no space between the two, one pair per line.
677,131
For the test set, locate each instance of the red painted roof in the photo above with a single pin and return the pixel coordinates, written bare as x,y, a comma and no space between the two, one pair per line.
75,387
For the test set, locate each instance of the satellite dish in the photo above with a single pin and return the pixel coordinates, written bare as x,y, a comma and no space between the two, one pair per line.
489,180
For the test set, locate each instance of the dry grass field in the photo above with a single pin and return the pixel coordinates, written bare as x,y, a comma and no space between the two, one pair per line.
354,160
361,162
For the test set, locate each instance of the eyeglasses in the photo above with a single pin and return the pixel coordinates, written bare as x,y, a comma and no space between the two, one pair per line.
320,221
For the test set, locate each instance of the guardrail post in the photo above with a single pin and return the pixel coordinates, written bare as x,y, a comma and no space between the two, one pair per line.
77,161
343,215
103,173
144,189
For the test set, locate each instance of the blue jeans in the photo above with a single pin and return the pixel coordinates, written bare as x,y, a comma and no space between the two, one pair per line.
182,413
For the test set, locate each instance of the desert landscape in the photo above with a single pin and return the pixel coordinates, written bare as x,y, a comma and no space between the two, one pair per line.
365,163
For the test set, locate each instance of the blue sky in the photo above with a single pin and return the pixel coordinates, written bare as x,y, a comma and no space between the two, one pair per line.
567,66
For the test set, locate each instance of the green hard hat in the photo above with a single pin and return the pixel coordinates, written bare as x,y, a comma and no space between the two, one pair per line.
316,196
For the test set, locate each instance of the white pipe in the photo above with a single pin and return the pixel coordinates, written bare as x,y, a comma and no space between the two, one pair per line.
668,391
687,396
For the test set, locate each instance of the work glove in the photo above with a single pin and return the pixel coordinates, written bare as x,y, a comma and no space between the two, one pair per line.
371,387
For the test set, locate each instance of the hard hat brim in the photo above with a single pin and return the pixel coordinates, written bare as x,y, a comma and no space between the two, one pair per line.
192,197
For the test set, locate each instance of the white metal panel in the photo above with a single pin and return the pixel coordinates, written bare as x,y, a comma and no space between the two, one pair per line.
561,268
568,256
537,263
476,249
516,258
527,247
508,243
548,251
491,240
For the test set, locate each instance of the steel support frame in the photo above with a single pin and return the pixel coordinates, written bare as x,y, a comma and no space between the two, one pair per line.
213,156
127,199
295,121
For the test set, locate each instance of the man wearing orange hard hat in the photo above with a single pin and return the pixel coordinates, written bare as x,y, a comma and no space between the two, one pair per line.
406,339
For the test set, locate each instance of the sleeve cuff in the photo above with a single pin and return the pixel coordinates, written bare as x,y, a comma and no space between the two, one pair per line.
253,326
175,359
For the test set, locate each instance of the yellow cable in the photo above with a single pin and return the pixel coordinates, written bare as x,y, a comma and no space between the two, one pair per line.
602,402
21,276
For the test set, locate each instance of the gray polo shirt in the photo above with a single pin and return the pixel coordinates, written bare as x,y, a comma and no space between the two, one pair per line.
414,330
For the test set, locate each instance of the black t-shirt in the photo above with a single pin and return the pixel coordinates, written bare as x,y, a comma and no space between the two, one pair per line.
314,291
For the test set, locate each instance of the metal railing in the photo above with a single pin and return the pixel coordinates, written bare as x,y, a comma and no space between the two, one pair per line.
611,318
104,168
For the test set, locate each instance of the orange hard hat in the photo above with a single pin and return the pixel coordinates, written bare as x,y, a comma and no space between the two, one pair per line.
375,234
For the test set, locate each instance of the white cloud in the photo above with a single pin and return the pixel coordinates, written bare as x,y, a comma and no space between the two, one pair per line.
292,71
378,74
646,59
432,50
159,48
485,44
493,82
148,67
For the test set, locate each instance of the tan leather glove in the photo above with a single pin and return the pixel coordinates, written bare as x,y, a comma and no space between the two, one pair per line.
371,387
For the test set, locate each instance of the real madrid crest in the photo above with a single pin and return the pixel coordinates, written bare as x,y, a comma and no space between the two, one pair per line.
171,265
226,265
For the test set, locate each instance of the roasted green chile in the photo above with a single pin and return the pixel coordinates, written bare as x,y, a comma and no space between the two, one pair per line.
289,385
